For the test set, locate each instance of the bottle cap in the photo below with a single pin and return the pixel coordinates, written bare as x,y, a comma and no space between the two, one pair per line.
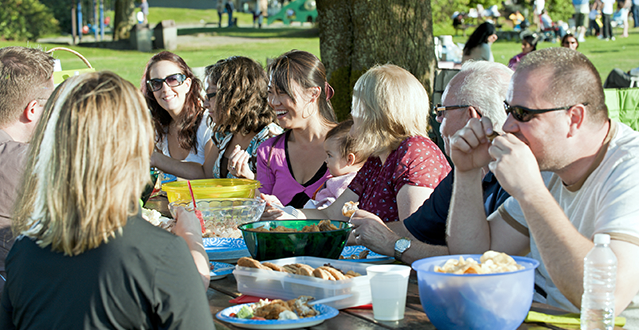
602,239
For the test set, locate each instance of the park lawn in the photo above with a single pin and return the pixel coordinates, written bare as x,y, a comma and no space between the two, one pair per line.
621,53
185,16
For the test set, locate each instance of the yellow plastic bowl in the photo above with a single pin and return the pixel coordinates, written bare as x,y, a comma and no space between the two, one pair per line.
211,188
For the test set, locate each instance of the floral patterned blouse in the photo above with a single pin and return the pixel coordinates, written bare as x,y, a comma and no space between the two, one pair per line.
417,161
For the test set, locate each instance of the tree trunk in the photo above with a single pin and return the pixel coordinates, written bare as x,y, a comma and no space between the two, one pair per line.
123,19
356,34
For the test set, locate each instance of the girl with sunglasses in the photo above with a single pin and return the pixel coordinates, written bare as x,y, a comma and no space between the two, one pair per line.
182,135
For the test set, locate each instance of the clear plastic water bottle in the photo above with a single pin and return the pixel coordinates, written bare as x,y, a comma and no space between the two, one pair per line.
600,274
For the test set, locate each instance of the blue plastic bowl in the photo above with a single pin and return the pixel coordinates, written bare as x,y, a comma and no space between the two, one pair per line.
474,301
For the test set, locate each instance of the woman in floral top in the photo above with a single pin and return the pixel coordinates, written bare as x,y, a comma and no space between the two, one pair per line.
390,115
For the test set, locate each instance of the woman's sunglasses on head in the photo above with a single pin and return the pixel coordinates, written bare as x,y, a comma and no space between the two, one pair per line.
524,114
173,80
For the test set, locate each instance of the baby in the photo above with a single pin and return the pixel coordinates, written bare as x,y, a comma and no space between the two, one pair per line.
343,163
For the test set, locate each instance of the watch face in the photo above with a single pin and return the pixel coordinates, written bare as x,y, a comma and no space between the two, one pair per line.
402,244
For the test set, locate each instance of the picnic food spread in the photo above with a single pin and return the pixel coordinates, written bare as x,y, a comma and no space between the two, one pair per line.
361,255
349,208
156,219
324,225
490,262
278,309
326,272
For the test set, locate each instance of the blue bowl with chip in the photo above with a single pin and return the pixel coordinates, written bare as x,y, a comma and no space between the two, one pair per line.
475,301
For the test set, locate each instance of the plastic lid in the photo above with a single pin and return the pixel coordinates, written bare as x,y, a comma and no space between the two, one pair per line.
602,239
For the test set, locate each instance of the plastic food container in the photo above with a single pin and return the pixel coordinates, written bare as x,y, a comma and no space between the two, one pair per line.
265,245
211,188
223,215
280,285
475,301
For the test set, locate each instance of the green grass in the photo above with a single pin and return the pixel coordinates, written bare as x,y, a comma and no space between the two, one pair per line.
621,53
183,16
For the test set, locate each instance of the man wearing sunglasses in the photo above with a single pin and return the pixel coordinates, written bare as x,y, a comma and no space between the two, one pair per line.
26,82
478,90
558,122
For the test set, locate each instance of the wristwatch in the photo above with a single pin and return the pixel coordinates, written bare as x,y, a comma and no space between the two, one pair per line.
401,245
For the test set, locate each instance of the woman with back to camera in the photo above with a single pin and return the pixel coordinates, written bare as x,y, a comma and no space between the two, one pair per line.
172,93
236,99
478,45
390,123
291,166
79,223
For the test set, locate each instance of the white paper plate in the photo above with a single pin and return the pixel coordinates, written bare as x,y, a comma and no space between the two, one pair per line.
325,313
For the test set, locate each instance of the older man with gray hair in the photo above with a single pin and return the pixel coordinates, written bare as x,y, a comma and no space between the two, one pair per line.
558,122
477,91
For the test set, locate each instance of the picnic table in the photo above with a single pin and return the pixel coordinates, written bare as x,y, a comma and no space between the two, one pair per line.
221,291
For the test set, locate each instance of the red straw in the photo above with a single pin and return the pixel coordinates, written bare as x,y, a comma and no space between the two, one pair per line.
197,212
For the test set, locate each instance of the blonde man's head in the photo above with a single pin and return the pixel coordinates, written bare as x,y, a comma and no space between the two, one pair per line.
88,164
389,105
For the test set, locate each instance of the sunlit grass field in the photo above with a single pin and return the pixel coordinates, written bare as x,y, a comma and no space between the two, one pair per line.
272,41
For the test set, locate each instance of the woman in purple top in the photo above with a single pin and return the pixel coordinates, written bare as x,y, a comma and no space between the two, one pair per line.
528,44
390,115
291,166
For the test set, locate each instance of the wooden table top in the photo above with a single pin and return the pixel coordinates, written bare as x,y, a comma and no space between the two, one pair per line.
222,290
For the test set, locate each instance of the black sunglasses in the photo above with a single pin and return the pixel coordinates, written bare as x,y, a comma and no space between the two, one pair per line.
209,96
173,80
524,114
439,109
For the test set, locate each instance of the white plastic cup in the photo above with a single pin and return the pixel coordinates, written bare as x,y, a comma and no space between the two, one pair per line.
389,284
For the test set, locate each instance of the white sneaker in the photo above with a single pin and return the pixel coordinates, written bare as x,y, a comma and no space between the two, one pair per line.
581,39
612,38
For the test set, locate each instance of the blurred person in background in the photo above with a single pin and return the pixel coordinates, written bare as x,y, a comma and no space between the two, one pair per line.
478,45
172,93
79,222
569,41
617,78
528,44
607,11
582,8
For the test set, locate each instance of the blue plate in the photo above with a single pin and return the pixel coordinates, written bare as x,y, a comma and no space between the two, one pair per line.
220,270
325,313
371,258
227,249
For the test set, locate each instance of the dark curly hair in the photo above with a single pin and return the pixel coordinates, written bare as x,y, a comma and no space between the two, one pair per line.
242,90
192,112
307,70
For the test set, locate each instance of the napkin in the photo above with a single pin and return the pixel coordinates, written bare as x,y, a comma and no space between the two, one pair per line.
571,318
246,299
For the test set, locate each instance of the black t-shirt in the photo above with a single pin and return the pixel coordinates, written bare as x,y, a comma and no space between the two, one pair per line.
144,278
428,223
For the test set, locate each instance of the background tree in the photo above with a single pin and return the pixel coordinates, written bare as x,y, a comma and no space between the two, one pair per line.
355,35
25,20
123,19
